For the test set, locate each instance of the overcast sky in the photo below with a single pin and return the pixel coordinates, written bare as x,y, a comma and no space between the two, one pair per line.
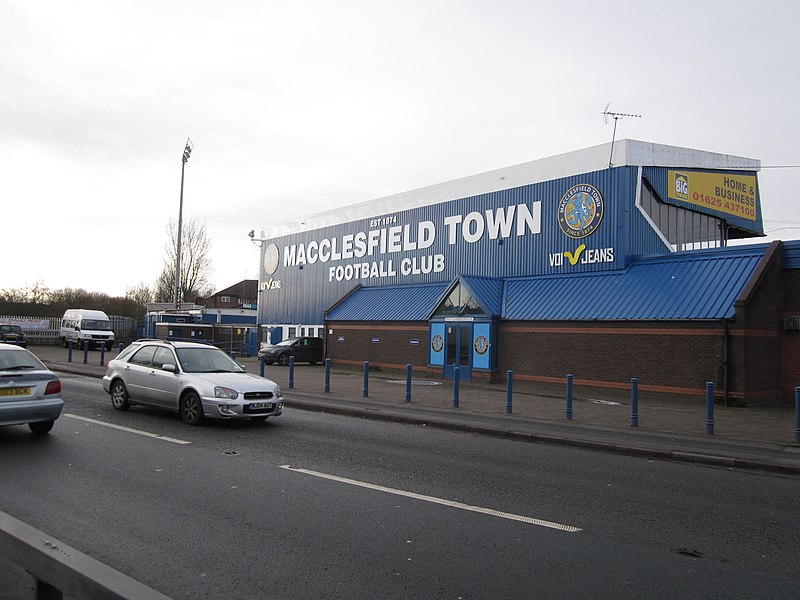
298,107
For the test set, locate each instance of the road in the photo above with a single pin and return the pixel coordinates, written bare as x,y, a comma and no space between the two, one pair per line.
312,505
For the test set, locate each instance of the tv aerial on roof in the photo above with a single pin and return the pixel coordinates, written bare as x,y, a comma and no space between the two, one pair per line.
616,116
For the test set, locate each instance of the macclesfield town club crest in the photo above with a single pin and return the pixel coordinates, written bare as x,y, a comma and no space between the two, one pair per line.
580,210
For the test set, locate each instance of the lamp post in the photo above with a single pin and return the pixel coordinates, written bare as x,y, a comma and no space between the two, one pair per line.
186,152
259,242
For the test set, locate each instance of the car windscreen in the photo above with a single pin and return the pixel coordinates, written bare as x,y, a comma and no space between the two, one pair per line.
288,342
206,360
96,325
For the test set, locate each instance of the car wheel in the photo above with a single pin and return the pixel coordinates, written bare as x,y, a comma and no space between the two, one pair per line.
41,426
191,409
119,396
283,360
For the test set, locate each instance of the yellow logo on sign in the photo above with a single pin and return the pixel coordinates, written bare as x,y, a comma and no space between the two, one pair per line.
573,258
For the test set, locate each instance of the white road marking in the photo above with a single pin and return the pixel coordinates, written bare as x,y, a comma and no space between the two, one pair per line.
441,501
128,429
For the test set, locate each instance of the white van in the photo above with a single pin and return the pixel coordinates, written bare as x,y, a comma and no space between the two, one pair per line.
80,325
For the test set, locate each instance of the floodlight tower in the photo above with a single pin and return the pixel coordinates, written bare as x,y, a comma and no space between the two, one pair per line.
187,150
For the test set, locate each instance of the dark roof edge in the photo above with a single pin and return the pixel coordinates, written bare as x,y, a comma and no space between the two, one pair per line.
774,252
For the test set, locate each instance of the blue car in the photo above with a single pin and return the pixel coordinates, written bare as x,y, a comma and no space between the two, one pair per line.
30,393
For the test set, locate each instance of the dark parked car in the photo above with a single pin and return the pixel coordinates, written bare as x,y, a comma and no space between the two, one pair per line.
13,334
304,349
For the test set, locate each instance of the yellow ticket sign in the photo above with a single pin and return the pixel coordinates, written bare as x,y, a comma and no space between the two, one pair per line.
725,193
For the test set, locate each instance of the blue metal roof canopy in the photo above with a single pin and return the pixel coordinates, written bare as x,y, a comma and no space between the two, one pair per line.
699,284
388,303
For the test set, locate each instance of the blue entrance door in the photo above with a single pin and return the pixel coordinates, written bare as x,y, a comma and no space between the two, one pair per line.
458,350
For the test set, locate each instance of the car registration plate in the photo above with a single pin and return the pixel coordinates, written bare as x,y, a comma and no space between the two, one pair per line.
15,391
260,405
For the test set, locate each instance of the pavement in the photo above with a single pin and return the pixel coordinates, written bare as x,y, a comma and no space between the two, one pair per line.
761,438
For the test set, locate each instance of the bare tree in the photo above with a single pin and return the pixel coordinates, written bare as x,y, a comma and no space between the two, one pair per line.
141,294
196,267
37,293
14,295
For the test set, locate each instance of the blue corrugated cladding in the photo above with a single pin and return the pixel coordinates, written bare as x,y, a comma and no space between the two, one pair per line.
392,303
658,178
298,293
791,254
685,285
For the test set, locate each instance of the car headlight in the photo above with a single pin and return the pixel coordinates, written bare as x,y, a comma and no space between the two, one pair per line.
277,392
223,392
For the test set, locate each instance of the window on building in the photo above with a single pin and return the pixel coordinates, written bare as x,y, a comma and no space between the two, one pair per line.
684,229
225,299
292,332
459,302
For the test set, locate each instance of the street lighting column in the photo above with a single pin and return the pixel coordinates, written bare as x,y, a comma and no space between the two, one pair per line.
186,152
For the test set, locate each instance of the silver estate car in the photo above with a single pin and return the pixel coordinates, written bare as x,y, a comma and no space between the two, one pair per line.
29,392
195,380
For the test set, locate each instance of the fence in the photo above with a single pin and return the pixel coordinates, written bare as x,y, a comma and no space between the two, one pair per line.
45,331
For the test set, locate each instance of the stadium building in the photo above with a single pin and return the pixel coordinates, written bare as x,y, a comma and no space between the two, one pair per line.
606,263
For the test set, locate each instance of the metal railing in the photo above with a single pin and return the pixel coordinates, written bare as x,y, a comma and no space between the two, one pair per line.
59,569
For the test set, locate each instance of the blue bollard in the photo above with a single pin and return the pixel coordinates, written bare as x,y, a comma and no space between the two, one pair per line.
455,387
69,351
233,356
710,407
408,383
291,372
366,379
120,347
797,415
569,397
327,375
86,353
262,361
634,402
509,390
102,355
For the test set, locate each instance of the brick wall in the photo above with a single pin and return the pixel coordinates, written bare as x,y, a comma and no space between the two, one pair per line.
671,357
756,348
385,344
790,342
